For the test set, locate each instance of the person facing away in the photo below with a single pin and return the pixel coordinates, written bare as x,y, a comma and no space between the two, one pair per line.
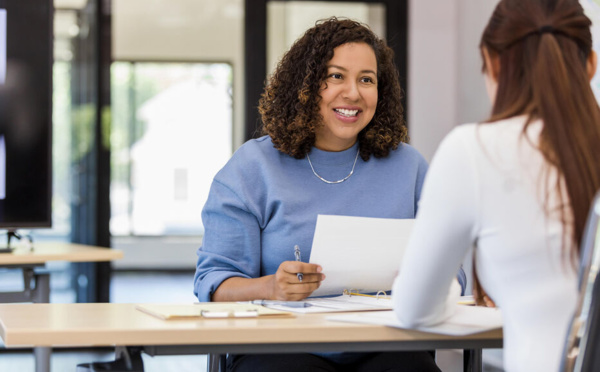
517,188
334,143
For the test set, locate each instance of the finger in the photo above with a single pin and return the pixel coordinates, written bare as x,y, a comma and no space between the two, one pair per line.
301,278
489,302
303,289
293,267
307,278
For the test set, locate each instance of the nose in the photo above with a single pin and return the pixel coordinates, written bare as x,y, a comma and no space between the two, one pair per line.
351,91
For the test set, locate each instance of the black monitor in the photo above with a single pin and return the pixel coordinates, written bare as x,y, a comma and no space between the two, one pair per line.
25,114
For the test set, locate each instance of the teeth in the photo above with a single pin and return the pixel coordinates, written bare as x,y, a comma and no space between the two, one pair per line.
348,113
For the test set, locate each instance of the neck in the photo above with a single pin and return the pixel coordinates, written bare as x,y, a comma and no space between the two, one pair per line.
334,147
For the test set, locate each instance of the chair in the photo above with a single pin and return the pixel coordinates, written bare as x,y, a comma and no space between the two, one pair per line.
216,362
582,347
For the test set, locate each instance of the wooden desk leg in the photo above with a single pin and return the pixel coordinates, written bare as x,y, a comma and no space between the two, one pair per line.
41,294
472,360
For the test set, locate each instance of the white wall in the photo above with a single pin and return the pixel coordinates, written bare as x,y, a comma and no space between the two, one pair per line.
445,83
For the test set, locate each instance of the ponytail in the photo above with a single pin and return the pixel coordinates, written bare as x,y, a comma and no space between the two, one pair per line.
570,138
543,47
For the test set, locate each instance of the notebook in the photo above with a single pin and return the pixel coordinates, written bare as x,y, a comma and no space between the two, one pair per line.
209,310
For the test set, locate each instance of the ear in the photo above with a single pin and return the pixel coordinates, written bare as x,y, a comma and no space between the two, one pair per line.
592,63
492,64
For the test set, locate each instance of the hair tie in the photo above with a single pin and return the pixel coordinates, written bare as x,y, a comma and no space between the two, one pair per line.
546,29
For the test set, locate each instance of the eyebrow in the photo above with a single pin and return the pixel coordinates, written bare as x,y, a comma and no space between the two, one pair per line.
345,69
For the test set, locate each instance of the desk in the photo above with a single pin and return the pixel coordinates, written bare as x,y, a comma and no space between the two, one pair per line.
62,325
28,260
44,252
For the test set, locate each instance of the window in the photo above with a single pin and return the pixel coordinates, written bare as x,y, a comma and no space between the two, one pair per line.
171,133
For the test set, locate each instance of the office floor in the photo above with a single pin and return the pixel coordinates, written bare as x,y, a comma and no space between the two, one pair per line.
132,287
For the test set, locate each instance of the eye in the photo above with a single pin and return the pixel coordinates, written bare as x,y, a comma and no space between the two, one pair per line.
367,79
335,75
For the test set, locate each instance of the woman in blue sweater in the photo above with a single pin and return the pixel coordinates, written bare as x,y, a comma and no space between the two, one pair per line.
334,144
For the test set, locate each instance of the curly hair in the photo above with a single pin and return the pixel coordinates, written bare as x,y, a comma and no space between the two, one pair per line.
289,106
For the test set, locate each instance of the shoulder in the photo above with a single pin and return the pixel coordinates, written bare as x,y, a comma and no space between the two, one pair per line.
505,129
250,160
475,143
257,146
254,153
489,138
407,154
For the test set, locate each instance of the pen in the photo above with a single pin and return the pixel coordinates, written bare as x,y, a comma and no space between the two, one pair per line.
297,254
281,303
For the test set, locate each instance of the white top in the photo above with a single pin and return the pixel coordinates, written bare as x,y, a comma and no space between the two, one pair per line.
486,187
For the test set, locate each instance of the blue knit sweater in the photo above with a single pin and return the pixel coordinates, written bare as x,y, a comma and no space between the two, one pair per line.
263,202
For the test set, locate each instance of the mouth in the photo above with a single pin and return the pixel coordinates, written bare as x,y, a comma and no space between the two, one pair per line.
347,113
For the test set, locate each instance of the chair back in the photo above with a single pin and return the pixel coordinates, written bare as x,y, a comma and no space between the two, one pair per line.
582,347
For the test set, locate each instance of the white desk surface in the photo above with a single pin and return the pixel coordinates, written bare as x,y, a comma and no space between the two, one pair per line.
56,251
105,324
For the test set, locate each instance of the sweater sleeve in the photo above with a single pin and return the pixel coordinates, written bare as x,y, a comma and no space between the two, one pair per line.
444,232
422,170
231,242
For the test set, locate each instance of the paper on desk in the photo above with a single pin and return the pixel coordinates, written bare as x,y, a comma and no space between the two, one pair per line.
358,253
208,310
338,304
466,320
345,303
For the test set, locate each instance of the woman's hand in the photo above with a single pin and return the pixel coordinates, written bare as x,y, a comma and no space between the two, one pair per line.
286,286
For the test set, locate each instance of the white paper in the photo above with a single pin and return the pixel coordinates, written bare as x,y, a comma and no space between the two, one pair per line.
466,320
345,303
2,46
358,253
338,304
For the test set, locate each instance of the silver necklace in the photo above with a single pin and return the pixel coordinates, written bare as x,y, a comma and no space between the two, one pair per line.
338,181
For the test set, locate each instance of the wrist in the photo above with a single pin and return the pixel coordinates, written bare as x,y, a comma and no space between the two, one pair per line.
268,287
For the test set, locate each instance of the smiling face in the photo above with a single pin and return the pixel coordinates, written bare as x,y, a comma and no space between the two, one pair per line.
348,96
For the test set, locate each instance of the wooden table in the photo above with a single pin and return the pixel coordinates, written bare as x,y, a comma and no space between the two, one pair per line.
56,251
29,259
119,325
36,283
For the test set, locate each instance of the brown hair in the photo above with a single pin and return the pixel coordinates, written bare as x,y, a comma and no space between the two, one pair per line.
289,106
543,47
